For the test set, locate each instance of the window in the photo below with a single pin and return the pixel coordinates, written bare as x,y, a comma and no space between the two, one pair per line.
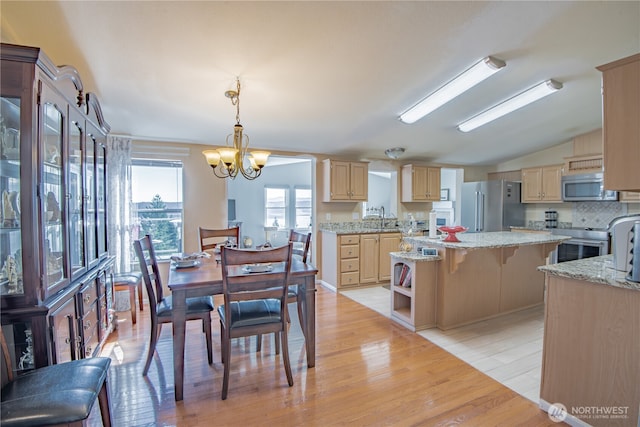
157,204
275,209
302,205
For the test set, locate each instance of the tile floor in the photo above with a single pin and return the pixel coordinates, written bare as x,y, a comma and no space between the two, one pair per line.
508,348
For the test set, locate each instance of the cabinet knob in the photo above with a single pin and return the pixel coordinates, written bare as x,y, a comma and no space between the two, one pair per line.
88,351
87,299
87,326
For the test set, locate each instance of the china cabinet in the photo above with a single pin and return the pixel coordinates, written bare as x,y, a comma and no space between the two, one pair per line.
53,248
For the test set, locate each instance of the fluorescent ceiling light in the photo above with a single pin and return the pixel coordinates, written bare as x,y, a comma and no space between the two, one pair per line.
525,98
463,82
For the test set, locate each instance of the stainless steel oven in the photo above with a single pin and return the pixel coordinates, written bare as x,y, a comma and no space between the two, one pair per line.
584,243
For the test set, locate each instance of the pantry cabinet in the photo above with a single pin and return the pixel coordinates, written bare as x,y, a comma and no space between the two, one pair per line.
53,228
542,184
420,183
345,181
621,127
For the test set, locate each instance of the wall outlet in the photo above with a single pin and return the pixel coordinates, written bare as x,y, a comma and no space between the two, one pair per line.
327,217
355,215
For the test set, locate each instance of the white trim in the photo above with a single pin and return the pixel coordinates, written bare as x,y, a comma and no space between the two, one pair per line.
159,151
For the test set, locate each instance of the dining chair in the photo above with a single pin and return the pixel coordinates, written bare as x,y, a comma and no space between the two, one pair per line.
55,395
301,244
210,238
255,303
161,306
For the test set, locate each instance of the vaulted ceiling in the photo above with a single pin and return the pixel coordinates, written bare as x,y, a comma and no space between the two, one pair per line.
332,77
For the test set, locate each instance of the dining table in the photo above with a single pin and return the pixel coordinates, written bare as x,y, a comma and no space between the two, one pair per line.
205,278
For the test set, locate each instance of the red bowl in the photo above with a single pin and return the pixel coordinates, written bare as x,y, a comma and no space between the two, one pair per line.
455,229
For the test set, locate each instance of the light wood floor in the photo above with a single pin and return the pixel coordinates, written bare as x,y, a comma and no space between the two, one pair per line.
369,372
507,348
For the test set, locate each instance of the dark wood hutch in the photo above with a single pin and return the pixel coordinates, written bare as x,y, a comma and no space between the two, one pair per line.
56,287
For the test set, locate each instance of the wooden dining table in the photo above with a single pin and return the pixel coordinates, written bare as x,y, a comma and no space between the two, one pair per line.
206,279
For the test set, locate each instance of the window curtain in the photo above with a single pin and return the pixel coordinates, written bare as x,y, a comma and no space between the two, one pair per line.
119,220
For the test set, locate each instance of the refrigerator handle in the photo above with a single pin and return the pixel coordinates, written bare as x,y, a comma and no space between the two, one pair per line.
476,216
481,213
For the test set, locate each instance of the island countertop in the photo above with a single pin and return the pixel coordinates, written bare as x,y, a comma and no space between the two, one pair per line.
595,270
488,240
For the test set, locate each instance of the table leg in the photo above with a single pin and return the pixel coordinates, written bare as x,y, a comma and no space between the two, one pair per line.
179,323
309,310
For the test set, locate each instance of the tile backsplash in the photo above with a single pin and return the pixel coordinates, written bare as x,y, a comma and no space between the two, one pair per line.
597,214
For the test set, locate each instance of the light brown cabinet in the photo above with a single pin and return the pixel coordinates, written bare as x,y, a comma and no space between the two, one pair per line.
420,183
345,181
413,292
621,127
374,256
630,196
542,184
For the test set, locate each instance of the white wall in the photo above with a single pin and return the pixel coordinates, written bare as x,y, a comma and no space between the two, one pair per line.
249,196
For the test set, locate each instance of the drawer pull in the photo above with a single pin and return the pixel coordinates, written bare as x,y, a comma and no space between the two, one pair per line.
88,351
87,325
87,299
67,340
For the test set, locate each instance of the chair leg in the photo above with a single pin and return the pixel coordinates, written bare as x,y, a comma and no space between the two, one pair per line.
103,401
276,339
222,343
140,302
132,303
227,365
300,315
207,331
258,343
155,332
285,356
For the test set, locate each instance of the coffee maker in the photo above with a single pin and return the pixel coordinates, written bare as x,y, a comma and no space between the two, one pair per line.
623,240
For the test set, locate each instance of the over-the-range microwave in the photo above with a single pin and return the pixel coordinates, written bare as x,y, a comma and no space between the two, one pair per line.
585,187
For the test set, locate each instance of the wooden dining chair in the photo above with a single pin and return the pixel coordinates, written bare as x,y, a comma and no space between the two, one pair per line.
161,306
210,238
254,303
56,395
301,244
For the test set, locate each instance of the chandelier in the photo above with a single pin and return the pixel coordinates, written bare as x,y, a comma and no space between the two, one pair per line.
232,158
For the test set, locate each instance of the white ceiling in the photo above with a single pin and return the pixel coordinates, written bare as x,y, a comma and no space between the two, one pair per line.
332,77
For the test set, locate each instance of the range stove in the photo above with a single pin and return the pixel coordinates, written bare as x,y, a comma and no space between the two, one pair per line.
584,243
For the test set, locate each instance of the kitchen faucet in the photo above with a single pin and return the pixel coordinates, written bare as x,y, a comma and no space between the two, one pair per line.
382,210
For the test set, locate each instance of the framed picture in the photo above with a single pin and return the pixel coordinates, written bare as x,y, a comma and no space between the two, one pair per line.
444,194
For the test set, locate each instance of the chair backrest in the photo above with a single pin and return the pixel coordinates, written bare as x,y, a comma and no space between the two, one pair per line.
207,236
254,286
7,371
302,249
150,273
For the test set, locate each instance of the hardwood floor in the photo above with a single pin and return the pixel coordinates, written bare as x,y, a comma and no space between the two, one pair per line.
369,372
507,348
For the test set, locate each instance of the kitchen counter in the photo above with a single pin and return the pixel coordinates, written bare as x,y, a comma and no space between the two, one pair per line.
496,239
594,270
414,256
488,274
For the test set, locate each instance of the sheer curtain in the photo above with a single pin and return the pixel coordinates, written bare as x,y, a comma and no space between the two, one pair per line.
119,201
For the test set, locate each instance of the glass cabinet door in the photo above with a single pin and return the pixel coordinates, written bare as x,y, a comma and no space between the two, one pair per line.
76,199
101,187
10,226
90,193
52,197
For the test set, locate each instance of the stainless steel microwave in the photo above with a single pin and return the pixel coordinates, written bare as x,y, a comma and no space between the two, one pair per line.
585,187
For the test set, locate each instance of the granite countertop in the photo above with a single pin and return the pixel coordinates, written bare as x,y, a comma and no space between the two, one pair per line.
414,256
596,270
365,230
496,239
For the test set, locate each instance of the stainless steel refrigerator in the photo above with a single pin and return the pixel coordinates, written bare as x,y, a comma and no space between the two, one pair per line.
491,206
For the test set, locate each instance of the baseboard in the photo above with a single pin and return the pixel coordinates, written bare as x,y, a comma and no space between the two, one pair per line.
568,418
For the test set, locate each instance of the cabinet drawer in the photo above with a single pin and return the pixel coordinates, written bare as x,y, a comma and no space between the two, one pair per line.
348,265
349,251
347,279
91,344
87,295
350,240
90,321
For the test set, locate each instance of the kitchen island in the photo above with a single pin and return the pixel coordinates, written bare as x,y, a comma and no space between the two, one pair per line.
591,347
488,274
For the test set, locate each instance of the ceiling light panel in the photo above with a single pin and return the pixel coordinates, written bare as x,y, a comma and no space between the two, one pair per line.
525,98
478,72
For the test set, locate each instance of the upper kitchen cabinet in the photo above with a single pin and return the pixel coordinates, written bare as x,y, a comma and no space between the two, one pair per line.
420,183
51,168
621,127
345,181
542,184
